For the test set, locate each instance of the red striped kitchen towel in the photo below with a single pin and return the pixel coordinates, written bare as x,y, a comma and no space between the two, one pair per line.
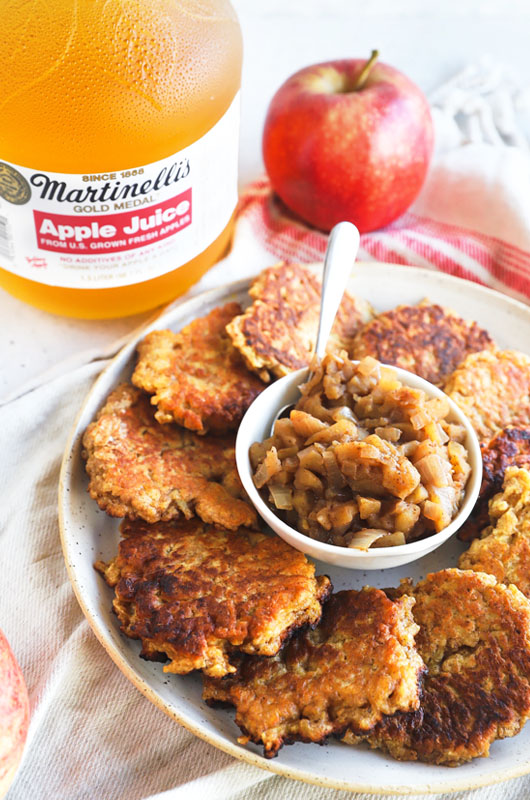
414,239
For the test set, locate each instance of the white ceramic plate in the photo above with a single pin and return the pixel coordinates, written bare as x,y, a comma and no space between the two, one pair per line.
88,534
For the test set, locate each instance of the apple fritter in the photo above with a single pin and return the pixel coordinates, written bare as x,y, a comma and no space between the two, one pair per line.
474,638
493,389
192,593
196,377
141,469
426,339
509,448
277,333
357,665
504,547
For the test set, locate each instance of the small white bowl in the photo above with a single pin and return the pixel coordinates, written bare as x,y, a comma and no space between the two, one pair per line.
256,426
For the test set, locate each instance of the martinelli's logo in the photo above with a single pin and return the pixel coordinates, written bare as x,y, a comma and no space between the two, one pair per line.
13,186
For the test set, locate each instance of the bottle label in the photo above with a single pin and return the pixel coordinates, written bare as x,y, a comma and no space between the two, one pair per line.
122,227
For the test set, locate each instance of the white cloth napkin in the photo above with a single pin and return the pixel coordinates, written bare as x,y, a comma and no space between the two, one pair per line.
93,736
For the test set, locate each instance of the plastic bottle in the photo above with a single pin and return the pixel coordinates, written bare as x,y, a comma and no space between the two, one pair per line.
118,149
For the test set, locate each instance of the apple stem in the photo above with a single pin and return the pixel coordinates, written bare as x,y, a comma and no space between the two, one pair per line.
363,77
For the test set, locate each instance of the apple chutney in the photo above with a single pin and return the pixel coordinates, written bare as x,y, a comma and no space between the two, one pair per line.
363,460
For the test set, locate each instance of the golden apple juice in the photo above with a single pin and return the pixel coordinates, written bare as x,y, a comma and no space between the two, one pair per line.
118,149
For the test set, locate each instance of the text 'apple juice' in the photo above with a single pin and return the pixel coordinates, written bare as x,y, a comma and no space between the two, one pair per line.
118,149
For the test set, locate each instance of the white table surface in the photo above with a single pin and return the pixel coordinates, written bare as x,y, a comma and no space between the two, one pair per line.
428,41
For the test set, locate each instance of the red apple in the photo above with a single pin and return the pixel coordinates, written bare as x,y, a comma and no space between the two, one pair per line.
14,715
348,140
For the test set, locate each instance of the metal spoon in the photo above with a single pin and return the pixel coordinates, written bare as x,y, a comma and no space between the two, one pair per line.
341,253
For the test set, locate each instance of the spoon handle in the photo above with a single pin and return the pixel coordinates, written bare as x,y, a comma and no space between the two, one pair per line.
340,257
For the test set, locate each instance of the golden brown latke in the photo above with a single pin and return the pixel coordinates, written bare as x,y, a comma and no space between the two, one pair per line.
426,339
493,389
475,640
139,468
277,333
359,664
192,592
509,448
504,549
197,377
